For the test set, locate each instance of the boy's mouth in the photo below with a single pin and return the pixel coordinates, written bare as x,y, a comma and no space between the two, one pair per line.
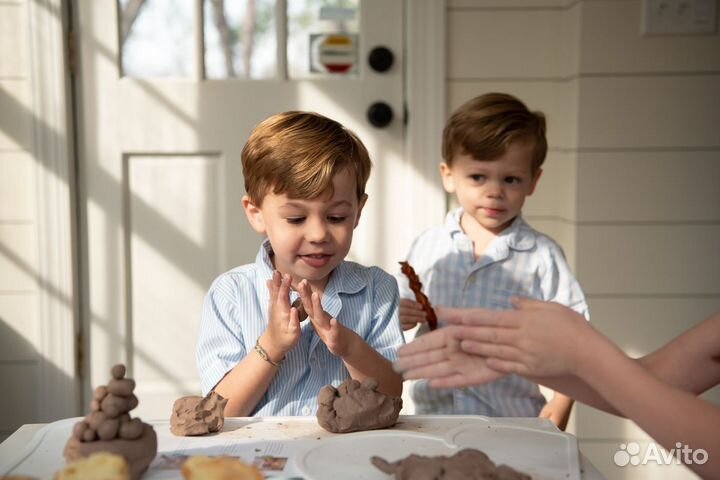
316,260
493,212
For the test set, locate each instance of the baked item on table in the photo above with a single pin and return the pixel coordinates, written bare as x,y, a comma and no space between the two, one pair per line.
98,466
109,427
356,406
218,468
468,464
194,415
420,297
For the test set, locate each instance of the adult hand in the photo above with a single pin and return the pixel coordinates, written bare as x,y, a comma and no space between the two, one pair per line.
437,356
537,339
411,313
283,330
336,336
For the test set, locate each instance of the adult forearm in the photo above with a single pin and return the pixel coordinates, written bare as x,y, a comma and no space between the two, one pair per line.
363,362
577,389
669,415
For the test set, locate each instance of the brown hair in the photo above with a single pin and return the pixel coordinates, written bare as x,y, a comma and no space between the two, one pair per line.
298,154
485,126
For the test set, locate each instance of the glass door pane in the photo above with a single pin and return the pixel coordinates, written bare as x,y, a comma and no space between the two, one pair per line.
240,39
157,38
323,38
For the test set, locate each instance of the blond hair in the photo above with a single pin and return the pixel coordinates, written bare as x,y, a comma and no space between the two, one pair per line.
298,154
485,126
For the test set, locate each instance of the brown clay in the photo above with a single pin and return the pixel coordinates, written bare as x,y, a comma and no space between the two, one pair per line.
198,415
466,464
356,406
110,428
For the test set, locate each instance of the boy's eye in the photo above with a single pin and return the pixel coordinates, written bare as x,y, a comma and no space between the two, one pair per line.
477,178
295,220
512,180
336,219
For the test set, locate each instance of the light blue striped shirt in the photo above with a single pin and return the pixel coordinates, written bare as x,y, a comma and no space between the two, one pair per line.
235,312
520,261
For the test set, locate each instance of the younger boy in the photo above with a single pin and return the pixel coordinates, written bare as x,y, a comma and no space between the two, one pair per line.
305,178
493,149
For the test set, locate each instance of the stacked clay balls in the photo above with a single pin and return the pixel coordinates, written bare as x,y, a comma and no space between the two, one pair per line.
109,417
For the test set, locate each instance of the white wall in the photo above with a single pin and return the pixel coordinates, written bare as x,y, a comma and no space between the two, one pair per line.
37,290
19,332
630,185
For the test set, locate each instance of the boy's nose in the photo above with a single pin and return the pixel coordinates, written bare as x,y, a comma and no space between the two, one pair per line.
316,232
494,190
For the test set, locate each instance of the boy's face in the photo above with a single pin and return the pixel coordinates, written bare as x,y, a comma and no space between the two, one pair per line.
309,237
492,193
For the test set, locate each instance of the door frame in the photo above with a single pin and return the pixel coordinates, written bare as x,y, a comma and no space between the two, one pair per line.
61,274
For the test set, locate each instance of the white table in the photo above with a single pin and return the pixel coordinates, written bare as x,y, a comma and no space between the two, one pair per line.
37,448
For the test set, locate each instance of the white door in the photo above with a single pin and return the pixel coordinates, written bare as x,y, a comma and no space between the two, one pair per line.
161,178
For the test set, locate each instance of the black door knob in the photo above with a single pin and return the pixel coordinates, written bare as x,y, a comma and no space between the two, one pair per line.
381,59
380,114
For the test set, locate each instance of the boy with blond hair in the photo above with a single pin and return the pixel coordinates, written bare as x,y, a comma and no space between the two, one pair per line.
305,178
485,253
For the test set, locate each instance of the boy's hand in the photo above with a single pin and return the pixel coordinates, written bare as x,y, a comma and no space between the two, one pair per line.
557,411
283,331
411,313
336,336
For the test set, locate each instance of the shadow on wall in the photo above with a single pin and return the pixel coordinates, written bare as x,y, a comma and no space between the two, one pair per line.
20,364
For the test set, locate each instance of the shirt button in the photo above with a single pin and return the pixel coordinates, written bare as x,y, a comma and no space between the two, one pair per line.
306,411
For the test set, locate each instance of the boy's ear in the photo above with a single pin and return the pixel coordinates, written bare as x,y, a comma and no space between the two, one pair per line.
361,204
447,178
535,181
254,215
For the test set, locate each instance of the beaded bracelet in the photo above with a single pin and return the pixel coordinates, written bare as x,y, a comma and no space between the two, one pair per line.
261,351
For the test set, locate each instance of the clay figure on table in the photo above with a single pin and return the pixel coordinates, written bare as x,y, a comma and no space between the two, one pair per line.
110,428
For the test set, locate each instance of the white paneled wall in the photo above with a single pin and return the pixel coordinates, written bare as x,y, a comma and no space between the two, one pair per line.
630,187
19,329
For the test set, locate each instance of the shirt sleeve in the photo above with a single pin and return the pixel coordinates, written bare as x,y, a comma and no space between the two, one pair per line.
559,285
220,345
385,335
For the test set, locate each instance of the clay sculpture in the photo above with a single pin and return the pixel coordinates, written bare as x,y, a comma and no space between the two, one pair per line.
466,464
109,427
356,406
195,415
420,297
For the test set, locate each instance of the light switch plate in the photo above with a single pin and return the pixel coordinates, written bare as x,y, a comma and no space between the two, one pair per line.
679,17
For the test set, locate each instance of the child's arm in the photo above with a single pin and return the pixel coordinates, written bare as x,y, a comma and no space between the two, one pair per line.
248,381
557,410
361,360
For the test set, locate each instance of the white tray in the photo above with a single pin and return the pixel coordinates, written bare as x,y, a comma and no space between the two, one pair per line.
542,454
533,446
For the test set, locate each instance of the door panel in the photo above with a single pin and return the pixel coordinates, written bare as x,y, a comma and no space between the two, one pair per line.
162,187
